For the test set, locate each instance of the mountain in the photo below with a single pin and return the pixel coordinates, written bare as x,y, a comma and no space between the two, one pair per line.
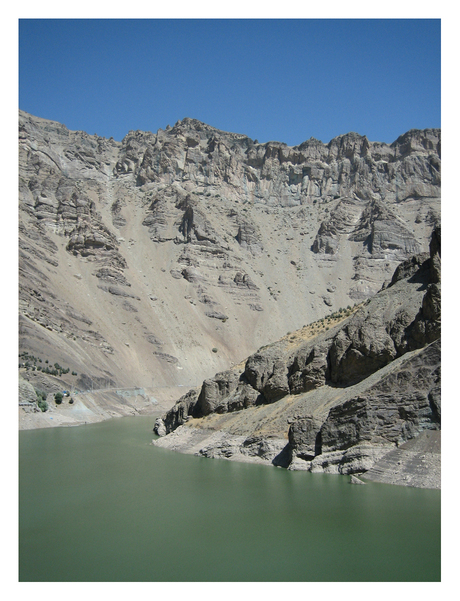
152,263
360,393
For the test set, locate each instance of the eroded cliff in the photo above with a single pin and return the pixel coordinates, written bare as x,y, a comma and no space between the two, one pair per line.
338,401
162,259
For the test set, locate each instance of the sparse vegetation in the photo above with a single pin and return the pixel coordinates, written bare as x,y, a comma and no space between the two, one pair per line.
30,362
323,324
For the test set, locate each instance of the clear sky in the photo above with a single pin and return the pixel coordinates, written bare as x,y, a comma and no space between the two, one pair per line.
271,79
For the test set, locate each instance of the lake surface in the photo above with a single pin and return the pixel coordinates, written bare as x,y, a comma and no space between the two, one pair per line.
100,503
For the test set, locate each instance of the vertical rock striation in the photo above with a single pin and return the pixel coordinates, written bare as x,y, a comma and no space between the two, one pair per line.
201,239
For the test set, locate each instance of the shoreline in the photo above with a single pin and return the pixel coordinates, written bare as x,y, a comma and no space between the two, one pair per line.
416,463
96,406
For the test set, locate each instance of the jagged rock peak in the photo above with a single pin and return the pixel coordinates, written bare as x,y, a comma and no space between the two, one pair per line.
311,142
188,124
48,129
418,140
348,146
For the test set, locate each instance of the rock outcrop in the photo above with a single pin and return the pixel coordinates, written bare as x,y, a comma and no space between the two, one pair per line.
27,397
214,245
381,366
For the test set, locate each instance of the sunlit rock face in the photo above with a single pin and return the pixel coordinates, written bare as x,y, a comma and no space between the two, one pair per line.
345,396
169,256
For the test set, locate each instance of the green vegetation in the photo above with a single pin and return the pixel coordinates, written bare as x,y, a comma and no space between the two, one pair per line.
58,398
43,405
30,362
41,400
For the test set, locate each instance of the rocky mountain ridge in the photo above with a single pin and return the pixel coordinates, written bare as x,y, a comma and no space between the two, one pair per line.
159,260
381,369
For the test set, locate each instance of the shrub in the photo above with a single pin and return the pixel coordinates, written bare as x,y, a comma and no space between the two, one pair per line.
58,398
214,350
43,405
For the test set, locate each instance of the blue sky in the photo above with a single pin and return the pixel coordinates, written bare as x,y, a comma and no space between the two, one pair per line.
271,79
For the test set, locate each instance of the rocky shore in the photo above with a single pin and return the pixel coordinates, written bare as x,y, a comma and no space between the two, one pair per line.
300,284
354,399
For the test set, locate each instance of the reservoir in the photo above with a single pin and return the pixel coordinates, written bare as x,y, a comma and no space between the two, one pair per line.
100,503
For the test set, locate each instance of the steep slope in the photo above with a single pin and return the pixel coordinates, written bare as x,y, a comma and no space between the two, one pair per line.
337,402
161,259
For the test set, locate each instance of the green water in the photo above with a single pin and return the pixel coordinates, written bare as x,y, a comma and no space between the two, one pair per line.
100,503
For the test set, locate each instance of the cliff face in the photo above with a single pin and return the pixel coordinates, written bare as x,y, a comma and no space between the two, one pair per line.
159,260
340,400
